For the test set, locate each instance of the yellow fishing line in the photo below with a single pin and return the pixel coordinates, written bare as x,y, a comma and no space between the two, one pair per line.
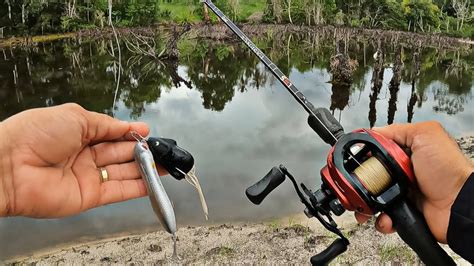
373,175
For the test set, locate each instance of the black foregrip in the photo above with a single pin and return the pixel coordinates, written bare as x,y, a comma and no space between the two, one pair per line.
257,192
326,125
326,256
413,229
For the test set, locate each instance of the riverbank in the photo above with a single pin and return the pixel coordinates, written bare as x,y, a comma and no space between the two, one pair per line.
288,240
221,32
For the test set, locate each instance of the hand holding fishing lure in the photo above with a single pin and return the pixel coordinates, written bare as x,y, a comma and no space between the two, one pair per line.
179,163
365,173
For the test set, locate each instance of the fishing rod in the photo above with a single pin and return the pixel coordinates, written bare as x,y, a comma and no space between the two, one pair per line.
365,173
321,120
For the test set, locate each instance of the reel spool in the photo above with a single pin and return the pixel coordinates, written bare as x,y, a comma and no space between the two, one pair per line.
373,176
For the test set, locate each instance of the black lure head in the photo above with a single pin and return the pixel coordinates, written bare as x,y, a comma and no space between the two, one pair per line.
168,154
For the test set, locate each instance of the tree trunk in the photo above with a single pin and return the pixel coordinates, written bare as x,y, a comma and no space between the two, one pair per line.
110,11
394,85
9,10
377,82
289,11
277,10
23,13
207,19
73,8
288,49
317,9
68,7
88,12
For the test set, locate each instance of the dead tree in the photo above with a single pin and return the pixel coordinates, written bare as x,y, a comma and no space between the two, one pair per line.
341,93
394,85
414,98
342,66
377,79
172,52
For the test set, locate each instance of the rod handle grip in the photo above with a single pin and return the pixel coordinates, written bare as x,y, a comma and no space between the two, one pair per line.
412,228
325,125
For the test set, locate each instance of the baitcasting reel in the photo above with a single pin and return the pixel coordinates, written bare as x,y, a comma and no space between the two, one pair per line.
366,173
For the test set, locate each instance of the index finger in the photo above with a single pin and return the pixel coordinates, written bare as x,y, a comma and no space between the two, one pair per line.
406,135
402,134
101,127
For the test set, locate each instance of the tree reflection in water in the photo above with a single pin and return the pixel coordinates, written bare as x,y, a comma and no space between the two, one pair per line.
83,71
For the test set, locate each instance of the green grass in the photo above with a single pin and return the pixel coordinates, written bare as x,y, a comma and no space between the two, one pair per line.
226,251
389,253
249,7
183,11
274,225
221,251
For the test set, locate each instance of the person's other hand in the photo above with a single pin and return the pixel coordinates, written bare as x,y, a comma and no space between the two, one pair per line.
440,169
50,160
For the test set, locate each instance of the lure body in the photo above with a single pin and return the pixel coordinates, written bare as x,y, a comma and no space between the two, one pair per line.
160,201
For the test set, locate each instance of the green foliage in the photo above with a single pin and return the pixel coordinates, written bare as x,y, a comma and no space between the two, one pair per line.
34,17
421,14
339,18
141,12
53,16
69,24
223,51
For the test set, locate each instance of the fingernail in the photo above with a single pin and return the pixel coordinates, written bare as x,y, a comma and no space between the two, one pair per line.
378,225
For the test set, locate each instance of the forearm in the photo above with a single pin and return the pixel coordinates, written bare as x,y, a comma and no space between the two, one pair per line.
5,172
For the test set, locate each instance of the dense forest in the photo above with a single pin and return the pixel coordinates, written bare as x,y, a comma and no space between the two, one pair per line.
34,17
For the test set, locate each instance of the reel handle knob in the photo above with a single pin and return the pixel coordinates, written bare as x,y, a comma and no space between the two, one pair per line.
326,125
257,192
326,256
411,226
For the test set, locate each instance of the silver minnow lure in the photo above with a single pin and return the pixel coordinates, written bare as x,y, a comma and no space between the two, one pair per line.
160,201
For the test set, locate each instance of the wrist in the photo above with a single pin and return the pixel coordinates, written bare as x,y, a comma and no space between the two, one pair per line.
5,172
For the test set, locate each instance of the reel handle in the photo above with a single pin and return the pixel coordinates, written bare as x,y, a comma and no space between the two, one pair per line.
326,125
326,256
257,192
412,228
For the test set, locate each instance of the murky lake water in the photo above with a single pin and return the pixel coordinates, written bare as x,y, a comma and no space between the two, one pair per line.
229,112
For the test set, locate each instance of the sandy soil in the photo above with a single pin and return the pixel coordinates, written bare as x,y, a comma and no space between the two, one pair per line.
290,240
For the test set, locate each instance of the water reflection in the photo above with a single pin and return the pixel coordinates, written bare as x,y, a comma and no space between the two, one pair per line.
394,86
222,105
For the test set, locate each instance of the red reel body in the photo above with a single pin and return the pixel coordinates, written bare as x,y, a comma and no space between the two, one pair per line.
338,175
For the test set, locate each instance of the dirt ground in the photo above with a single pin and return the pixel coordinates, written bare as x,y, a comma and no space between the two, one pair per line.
290,240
